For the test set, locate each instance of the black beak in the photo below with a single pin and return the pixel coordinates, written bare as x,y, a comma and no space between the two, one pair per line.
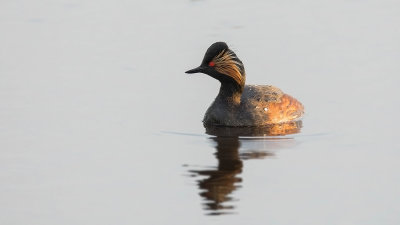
196,70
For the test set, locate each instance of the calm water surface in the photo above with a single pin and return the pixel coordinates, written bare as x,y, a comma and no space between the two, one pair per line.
100,125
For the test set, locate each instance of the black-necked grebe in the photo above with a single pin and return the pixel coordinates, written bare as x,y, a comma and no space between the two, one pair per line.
238,104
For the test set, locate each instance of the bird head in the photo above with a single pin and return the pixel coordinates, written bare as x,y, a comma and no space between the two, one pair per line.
221,63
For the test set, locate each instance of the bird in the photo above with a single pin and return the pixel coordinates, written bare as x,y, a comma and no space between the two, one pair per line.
238,104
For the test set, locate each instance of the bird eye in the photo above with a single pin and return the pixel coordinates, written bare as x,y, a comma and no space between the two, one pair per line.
211,63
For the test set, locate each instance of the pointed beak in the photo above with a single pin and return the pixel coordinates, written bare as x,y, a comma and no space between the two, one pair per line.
195,70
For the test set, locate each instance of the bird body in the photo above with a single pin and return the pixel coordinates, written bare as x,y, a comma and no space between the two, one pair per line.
258,105
241,105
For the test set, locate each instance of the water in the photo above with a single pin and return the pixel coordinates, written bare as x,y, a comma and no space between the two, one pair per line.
100,125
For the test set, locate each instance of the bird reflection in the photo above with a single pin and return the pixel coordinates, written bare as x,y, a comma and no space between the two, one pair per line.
218,184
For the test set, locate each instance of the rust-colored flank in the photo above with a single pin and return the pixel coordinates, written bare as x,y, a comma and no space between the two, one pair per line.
288,109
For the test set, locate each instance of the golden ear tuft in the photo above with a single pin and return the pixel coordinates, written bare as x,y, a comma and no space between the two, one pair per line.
225,63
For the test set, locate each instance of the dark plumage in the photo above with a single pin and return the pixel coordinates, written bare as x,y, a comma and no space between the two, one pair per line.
238,104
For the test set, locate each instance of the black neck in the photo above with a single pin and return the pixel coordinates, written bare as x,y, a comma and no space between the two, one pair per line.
230,92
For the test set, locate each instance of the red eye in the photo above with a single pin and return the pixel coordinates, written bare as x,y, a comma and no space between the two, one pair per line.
211,63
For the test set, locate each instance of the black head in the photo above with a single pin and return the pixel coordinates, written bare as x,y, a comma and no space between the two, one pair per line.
222,63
